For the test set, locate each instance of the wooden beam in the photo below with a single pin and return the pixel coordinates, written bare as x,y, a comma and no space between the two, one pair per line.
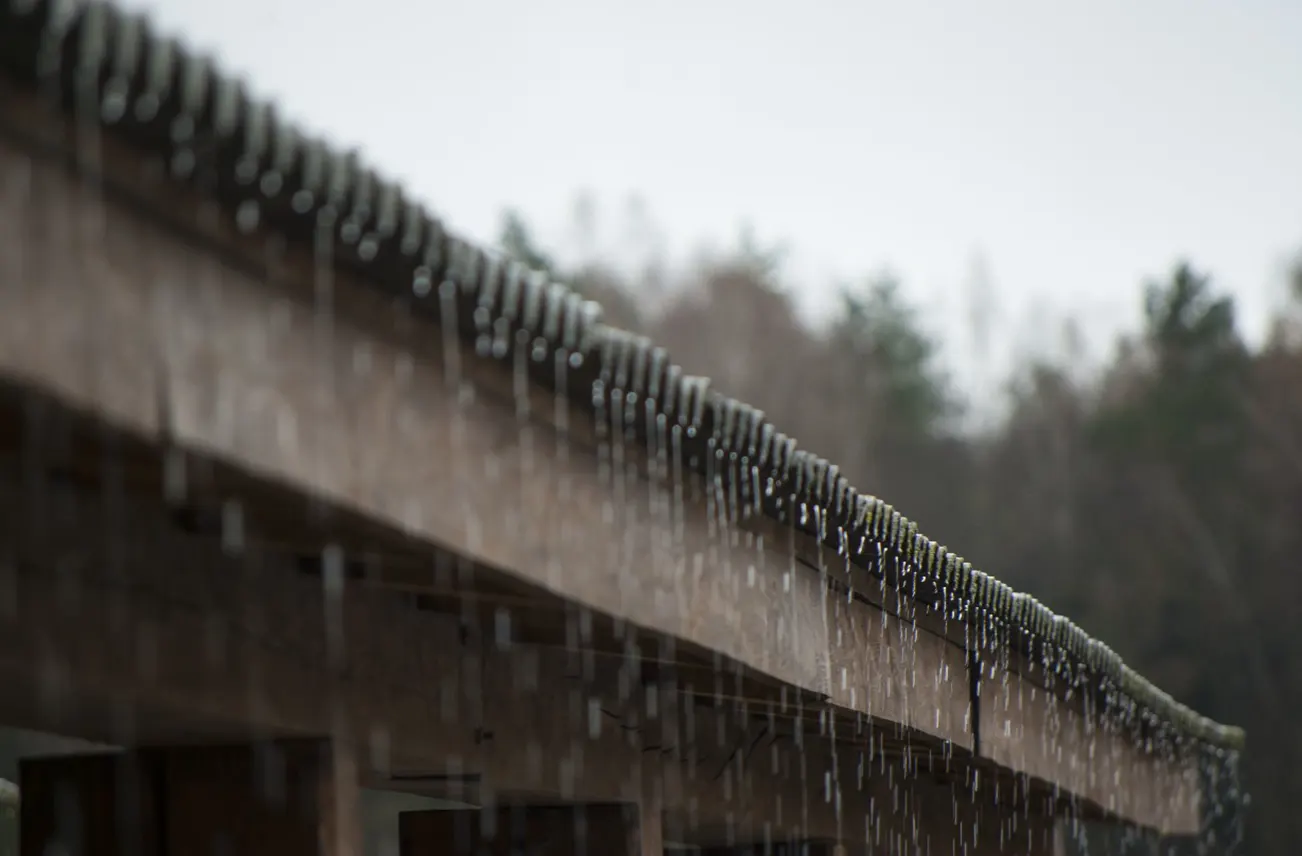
221,648
130,298
1029,727
349,399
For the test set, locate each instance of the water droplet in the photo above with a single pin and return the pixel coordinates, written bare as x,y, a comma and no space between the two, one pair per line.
248,215
271,183
114,106
183,163
421,282
232,527
502,625
367,248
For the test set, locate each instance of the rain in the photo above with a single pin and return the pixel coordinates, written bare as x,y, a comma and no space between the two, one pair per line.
326,530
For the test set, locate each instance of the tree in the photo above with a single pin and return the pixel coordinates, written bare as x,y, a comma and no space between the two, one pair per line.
1171,517
517,242
896,363
896,425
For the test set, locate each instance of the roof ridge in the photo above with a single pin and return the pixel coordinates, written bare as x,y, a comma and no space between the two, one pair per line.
94,58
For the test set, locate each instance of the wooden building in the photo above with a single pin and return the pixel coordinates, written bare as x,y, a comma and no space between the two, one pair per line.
302,496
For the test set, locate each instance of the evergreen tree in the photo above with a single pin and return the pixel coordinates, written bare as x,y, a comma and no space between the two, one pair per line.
517,242
896,362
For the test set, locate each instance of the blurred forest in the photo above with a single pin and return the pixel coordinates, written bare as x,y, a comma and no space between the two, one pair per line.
1158,503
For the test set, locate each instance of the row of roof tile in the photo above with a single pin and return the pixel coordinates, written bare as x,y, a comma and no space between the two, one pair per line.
106,66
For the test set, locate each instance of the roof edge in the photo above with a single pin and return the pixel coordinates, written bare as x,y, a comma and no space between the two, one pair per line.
106,66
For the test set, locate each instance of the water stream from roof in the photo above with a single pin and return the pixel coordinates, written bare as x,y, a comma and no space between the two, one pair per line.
822,699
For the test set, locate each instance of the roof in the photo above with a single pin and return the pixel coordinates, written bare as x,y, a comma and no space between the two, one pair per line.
107,67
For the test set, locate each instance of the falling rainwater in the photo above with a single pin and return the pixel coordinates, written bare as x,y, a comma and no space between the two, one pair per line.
436,522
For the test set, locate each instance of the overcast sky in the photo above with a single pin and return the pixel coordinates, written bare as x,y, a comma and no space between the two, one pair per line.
1071,150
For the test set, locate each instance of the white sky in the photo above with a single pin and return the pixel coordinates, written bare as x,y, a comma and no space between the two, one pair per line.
1075,148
